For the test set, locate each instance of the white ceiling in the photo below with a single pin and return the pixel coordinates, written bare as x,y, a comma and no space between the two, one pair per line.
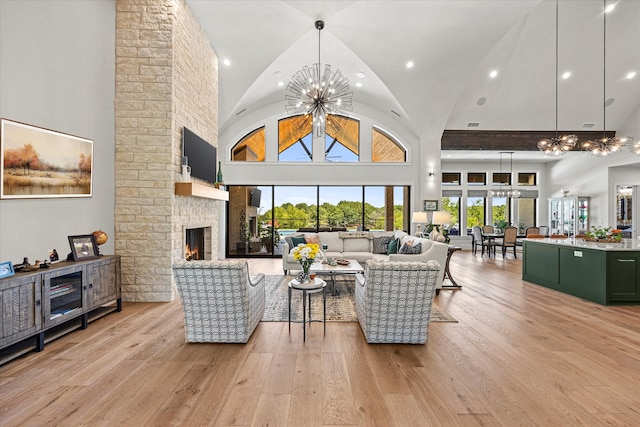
454,45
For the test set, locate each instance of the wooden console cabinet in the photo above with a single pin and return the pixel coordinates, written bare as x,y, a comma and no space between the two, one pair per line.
39,306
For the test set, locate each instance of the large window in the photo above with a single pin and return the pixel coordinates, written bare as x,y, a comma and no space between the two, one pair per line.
475,212
342,139
452,205
500,210
257,225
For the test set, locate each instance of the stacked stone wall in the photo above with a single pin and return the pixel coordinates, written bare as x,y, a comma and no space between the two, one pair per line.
162,56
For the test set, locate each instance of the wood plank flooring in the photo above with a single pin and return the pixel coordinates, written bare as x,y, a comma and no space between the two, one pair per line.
521,355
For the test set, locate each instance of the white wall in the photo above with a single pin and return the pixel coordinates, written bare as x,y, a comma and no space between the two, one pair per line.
57,71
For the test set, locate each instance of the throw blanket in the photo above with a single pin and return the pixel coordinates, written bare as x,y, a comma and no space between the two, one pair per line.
355,235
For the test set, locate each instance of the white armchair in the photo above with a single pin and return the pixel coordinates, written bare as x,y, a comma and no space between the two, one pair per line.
221,302
394,299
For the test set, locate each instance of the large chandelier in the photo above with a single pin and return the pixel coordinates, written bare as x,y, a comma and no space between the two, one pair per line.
318,91
558,145
602,147
511,193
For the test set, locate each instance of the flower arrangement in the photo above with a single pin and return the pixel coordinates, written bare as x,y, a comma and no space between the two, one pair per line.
604,233
305,254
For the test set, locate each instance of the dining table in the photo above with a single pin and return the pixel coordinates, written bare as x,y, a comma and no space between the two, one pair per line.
491,240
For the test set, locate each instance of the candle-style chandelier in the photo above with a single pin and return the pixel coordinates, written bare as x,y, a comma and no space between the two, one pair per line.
557,145
318,90
514,194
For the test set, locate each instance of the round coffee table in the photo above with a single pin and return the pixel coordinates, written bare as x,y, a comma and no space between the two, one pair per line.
314,286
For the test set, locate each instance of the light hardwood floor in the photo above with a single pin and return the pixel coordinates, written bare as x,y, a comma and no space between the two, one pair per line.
520,355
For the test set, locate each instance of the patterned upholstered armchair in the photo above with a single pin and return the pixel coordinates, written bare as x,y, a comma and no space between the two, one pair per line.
394,299
221,302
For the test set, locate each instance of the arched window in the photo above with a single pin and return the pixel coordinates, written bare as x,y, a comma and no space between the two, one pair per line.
342,140
386,148
250,148
295,142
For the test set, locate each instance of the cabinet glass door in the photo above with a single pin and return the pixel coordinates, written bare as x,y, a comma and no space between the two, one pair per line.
568,220
65,294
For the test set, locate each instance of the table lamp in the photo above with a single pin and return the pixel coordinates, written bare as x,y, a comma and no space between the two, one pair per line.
419,218
440,218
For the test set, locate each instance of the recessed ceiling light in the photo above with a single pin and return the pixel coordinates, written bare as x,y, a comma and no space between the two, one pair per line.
609,101
566,75
409,64
226,62
359,84
610,8
280,84
631,75
493,74
481,101
360,75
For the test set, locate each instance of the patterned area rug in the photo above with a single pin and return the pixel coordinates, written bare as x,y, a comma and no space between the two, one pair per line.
340,307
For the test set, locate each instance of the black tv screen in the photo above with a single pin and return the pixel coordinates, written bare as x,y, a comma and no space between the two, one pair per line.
201,156
255,197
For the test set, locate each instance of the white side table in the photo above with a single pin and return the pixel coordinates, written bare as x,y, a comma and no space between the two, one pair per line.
315,286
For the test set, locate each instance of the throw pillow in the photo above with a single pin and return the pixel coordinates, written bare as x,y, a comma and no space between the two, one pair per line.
312,238
381,244
410,250
393,247
297,240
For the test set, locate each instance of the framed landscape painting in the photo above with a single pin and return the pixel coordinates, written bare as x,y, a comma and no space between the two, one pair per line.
39,163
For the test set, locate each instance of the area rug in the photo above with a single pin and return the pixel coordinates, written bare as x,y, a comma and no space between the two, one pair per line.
340,307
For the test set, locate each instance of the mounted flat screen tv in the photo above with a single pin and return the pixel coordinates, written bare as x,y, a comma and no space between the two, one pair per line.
256,194
201,156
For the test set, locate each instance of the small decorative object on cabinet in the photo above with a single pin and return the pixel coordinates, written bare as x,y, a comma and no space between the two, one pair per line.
569,215
46,304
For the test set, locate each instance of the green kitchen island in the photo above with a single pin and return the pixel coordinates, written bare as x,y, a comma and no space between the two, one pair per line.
605,273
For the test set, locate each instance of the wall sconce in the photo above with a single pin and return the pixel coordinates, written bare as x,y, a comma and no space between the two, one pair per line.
431,174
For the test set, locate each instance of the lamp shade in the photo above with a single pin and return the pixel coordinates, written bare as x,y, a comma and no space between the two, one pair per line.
419,218
441,218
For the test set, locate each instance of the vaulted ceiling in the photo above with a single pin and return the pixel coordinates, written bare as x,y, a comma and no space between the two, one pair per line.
453,44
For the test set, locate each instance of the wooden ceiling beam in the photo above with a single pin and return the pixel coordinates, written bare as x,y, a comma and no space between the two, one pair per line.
502,140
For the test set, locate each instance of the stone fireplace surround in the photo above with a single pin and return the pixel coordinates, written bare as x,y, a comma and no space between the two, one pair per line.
166,79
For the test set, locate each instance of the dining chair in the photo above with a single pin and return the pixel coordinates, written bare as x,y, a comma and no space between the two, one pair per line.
532,230
479,240
508,241
488,229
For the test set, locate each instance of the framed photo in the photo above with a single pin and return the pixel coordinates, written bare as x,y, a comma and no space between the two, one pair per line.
83,247
6,269
430,205
40,163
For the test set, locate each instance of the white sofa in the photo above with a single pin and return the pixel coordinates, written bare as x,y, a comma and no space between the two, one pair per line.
360,246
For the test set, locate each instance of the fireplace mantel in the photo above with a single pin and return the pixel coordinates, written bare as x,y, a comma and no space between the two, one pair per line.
198,190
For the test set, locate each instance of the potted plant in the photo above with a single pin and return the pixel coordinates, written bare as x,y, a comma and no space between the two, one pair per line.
243,245
266,236
501,224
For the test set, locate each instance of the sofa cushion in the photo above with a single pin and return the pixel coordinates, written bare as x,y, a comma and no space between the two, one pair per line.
332,240
357,245
381,244
393,247
312,238
297,240
409,248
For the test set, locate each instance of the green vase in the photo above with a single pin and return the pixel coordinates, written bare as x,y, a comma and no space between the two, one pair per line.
219,178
